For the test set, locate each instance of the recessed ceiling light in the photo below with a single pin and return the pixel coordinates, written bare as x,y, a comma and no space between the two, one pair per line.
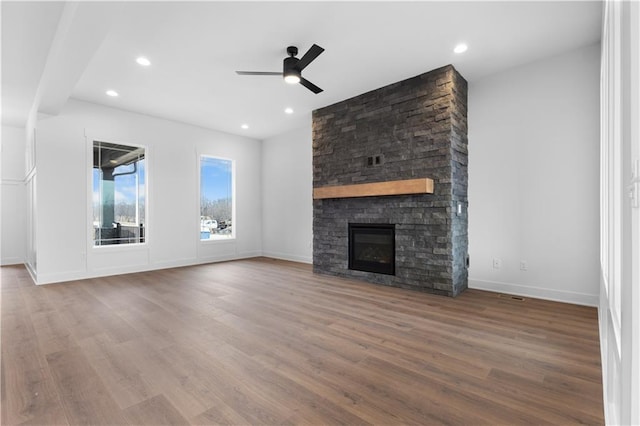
143,61
112,93
288,110
460,48
245,126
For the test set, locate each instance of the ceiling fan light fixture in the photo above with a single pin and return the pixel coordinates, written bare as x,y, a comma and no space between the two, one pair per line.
290,72
292,79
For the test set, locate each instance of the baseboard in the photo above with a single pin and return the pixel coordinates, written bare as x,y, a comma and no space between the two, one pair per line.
32,272
105,272
43,279
537,292
228,257
174,263
287,256
6,261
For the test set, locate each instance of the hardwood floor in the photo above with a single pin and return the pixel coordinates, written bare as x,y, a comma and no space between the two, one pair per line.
262,341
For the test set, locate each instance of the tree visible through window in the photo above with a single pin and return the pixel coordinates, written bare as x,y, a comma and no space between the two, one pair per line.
118,194
216,198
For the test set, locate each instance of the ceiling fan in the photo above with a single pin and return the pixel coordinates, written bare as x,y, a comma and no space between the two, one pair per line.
292,67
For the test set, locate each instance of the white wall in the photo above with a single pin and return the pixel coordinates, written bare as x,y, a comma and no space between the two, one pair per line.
533,181
533,178
12,195
287,209
64,220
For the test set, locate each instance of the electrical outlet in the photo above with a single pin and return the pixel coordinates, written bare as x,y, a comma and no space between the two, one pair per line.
497,263
523,265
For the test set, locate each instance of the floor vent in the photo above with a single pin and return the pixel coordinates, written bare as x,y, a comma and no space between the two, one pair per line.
512,297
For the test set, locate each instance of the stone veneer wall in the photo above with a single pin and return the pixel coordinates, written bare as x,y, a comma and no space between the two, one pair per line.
418,127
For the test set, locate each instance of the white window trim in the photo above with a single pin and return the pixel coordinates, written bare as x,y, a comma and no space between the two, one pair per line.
234,229
90,139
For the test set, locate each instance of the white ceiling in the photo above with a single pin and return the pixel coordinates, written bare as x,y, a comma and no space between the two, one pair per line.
24,54
195,47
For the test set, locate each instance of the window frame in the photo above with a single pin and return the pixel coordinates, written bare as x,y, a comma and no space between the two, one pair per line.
90,207
233,236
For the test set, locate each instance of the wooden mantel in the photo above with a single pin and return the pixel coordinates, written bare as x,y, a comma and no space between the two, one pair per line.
393,187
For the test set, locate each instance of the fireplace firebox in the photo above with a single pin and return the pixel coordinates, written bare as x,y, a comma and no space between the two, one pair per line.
372,247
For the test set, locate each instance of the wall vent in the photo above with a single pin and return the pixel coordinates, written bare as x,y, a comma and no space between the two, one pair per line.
512,297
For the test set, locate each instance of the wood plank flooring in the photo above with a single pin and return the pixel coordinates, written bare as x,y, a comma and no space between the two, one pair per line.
262,341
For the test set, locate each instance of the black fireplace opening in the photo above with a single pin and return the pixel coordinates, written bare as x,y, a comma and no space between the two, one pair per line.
372,247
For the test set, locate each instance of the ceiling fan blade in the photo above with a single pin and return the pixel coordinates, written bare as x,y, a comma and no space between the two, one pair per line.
258,73
309,85
311,54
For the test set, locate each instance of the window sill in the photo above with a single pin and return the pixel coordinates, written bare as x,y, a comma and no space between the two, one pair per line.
221,240
121,247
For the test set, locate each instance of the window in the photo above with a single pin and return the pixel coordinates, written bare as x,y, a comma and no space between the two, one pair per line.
216,198
118,194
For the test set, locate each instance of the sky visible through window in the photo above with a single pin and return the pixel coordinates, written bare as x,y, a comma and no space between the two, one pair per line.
216,192
215,175
215,178
125,191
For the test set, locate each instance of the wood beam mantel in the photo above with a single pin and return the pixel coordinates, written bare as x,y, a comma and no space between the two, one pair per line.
394,187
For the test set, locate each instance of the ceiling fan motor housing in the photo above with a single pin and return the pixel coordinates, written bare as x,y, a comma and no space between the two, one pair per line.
289,66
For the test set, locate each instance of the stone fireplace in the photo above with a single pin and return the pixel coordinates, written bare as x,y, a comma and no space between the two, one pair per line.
407,132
